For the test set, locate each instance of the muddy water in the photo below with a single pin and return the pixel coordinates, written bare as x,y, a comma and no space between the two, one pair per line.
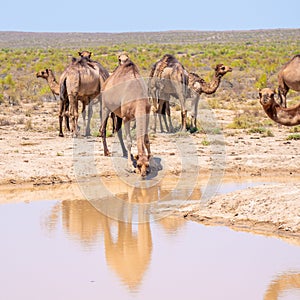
66,249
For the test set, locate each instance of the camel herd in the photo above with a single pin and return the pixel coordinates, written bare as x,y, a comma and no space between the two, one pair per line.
127,97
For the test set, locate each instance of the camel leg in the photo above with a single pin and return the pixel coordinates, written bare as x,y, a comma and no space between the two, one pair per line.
90,114
102,130
74,114
146,137
195,111
168,113
113,119
84,116
66,114
129,145
183,112
100,108
155,109
160,113
282,92
155,120
120,135
61,116
163,114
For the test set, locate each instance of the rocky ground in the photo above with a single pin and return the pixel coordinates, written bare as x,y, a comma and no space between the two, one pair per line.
33,155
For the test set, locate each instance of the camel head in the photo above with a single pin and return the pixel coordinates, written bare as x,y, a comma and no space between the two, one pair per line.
267,97
221,69
142,165
86,54
123,58
43,73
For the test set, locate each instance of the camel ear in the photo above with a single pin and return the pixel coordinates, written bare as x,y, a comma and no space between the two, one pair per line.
47,71
79,53
259,94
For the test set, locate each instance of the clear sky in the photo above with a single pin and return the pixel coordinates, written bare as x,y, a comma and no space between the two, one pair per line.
141,15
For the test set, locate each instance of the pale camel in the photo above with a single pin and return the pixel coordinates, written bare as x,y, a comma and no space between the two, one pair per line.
125,94
48,75
80,81
198,86
168,78
279,114
289,78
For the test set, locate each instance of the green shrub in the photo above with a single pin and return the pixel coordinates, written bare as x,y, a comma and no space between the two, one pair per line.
295,136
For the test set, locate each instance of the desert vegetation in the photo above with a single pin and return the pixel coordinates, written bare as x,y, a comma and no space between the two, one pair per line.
255,56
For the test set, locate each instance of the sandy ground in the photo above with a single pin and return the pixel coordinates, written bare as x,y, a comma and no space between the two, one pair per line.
32,155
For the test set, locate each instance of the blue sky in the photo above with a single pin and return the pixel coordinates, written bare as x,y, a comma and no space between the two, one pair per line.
155,15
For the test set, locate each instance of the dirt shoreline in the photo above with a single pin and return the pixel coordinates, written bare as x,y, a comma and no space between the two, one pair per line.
38,158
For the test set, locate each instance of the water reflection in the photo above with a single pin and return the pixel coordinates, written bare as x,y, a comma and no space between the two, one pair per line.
283,284
136,202
129,254
128,246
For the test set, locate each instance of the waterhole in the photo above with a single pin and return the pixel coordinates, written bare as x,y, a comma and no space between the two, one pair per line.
57,248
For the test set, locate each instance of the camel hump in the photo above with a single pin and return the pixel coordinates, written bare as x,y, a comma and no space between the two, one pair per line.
167,61
296,56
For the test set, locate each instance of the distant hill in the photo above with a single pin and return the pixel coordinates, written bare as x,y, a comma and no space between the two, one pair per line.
13,39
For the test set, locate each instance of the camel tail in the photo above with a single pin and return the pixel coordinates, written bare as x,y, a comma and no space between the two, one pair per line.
185,84
63,91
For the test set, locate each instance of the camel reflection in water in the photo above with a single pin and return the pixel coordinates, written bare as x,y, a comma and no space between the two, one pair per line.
128,246
283,283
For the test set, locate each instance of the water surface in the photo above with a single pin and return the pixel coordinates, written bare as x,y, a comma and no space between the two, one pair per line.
68,250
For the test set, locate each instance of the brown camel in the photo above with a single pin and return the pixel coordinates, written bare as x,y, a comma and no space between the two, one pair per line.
168,78
80,81
125,94
284,116
104,74
198,86
48,75
289,78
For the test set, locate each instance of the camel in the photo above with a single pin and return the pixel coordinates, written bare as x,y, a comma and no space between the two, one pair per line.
125,94
289,78
104,74
168,78
48,75
198,86
284,116
80,81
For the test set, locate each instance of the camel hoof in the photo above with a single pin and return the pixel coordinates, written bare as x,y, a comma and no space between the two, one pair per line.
61,135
